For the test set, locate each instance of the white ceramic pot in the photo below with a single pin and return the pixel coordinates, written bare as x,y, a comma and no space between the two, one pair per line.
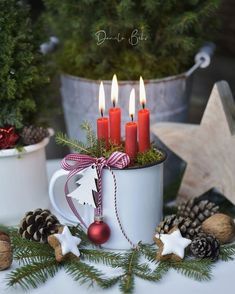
139,203
23,182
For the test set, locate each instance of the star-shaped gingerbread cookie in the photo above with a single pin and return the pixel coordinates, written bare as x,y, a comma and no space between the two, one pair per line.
64,243
171,246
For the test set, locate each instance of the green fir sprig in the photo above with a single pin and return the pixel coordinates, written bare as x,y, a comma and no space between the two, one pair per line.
33,274
37,264
227,252
97,148
197,269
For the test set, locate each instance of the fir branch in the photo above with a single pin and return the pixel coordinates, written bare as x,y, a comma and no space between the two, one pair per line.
199,269
80,233
129,262
149,251
127,283
39,264
90,134
26,257
227,252
97,256
33,275
26,246
76,145
85,273
8,230
144,272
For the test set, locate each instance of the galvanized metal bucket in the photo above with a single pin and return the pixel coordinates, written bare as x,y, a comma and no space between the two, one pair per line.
167,98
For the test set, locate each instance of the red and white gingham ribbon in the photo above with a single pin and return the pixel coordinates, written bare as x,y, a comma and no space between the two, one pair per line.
74,163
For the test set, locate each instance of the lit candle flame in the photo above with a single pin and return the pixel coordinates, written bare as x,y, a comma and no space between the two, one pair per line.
132,104
101,99
142,93
114,90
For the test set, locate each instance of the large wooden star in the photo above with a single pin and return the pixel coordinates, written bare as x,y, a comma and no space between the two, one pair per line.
208,148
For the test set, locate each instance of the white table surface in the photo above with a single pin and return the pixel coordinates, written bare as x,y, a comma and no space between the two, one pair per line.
222,280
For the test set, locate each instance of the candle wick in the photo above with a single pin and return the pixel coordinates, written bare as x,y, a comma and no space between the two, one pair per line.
114,105
101,112
143,105
132,117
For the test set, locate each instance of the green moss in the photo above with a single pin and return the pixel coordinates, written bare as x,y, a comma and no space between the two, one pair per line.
151,156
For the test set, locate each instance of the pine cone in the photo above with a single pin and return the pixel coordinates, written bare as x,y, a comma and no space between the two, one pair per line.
205,246
37,225
197,210
187,227
33,135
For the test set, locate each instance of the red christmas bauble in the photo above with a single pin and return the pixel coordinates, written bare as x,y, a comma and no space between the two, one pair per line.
98,232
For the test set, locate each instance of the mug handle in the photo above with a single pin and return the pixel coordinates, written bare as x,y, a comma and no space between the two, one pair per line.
59,173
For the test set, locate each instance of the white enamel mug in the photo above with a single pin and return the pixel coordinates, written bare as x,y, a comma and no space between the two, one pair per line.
139,203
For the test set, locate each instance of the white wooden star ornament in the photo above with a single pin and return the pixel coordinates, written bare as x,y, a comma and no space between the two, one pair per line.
171,245
208,148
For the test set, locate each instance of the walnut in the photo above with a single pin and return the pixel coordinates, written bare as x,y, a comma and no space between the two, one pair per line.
221,226
5,251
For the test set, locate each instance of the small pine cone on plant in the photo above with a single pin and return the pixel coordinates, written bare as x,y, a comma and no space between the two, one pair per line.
37,225
33,135
205,246
187,227
197,210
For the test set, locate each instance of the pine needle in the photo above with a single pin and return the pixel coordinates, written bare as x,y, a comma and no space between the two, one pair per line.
79,232
149,251
199,269
26,246
85,273
39,264
26,257
90,134
127,283
129,262
227,252
76,145
144,272
33,275
105,257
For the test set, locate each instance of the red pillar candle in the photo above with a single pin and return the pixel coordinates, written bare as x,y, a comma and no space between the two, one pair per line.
143,121
103,129
102,122
115,115
115,125
131,145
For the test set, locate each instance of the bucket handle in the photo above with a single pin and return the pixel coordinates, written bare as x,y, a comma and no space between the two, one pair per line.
202,58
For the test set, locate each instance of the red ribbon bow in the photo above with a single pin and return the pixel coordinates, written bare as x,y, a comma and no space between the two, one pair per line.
74,163
8,137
